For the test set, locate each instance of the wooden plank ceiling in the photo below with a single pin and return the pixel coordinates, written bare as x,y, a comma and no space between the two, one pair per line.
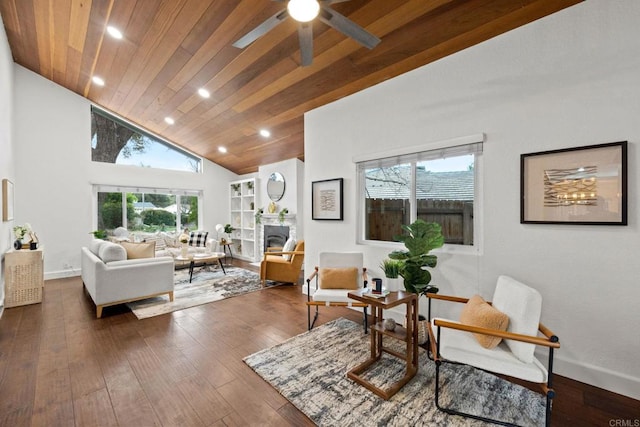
171,48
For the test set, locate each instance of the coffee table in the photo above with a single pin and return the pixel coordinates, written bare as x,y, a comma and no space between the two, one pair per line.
201,260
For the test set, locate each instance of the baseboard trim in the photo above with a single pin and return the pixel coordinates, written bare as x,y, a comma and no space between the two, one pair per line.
61,274
597,376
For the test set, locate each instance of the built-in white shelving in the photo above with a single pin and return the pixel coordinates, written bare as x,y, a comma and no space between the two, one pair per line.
242,205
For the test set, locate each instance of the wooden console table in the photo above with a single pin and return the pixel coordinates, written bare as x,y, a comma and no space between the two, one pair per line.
409,335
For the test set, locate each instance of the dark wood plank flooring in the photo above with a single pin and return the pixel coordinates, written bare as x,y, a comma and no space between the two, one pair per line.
60,366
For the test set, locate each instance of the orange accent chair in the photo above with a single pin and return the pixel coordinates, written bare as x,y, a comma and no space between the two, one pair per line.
276,267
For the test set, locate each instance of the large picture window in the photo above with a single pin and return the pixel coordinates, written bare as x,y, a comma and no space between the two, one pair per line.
114,140
148,210
433,185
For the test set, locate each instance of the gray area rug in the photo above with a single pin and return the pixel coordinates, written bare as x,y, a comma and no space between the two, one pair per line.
310,371
209,284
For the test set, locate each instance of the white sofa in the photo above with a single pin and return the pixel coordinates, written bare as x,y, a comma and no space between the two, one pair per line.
110,278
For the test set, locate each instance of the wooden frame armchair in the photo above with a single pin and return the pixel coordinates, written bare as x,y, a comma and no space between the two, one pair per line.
454,342
282,266
334,277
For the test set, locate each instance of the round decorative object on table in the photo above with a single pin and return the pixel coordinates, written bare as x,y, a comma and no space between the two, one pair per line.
389,324
17,245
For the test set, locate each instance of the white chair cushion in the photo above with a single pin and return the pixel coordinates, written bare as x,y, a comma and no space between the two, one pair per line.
110,252
333,295
462,347
289,246
523,305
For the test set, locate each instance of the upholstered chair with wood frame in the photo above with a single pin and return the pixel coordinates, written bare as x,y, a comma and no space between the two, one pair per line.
498,337
336,274
282,266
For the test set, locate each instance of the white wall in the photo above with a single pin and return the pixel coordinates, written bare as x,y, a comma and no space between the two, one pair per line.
567,80
6,142
55,174
289,170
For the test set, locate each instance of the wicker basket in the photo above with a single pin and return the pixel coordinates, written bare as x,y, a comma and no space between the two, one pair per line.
24,277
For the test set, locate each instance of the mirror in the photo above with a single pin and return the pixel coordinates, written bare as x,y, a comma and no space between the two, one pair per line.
275,186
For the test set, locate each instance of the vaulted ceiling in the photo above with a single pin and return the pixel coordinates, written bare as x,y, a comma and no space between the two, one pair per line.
171,48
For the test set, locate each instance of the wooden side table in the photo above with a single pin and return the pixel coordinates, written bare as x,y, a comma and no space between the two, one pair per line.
24,277
409,335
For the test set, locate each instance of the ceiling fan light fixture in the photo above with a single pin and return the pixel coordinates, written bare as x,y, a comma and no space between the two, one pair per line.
303,10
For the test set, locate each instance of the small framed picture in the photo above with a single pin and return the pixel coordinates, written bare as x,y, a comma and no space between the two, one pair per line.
326,199
7,200
580,185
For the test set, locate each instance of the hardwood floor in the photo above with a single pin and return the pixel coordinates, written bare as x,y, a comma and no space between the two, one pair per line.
60,366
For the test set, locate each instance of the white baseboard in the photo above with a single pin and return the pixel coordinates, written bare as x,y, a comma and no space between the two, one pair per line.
596,376
61,274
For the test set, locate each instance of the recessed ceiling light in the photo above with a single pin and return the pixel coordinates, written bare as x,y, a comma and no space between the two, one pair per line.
222,149
265,133
169,120
98,80
114,32
203,92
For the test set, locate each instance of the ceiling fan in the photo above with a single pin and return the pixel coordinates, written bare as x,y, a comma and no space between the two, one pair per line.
305,11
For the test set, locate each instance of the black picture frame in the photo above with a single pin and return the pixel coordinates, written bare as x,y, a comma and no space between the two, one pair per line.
327,201
584,185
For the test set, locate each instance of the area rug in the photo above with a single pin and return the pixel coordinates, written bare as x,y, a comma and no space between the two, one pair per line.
310,371
209,284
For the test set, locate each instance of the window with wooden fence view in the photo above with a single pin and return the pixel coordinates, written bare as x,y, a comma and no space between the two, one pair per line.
400,190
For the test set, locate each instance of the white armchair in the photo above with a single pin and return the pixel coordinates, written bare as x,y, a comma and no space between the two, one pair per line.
112,279
498,337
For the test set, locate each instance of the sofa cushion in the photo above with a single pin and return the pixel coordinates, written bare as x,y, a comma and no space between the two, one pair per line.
158,239
477,312
140,250
338,278
94,246
198,238
110,252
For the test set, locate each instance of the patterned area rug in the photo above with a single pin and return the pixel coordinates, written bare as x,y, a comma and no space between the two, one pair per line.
209,284
310,371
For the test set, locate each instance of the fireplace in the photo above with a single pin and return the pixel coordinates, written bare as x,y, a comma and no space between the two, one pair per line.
275,236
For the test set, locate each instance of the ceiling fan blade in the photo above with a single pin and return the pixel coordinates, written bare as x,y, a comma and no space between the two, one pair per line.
347,27
261,29
305,34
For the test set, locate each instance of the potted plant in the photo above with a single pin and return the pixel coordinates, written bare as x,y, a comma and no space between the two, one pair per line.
258,215
228,229
391,269
236,189
99,234
420,238
281,215
250,187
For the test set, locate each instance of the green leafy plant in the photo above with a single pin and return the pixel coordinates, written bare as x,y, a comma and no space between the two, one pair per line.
99,234
235,187
258,215
281,215
250,185
228,229
391,268
420,238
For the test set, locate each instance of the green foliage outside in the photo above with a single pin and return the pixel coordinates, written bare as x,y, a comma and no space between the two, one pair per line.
158,217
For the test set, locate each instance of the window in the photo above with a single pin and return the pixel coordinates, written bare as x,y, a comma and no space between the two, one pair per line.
114,140
147,210
434,185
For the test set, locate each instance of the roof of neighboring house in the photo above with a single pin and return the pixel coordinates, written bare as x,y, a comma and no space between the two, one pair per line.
143,205
392,183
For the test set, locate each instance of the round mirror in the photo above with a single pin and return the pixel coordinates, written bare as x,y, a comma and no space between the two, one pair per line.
275,186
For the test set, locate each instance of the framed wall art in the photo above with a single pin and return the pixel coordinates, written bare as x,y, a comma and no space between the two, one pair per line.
580,185
327,199
7,200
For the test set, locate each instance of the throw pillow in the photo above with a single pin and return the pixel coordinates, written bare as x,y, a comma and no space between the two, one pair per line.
139,250
477,312
288,247
198,238
160,243
95,245
338,278
109,252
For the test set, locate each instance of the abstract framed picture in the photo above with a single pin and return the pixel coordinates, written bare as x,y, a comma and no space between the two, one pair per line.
7,200
327,199
580,185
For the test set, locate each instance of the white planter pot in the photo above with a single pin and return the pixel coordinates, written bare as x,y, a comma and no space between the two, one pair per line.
394,285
